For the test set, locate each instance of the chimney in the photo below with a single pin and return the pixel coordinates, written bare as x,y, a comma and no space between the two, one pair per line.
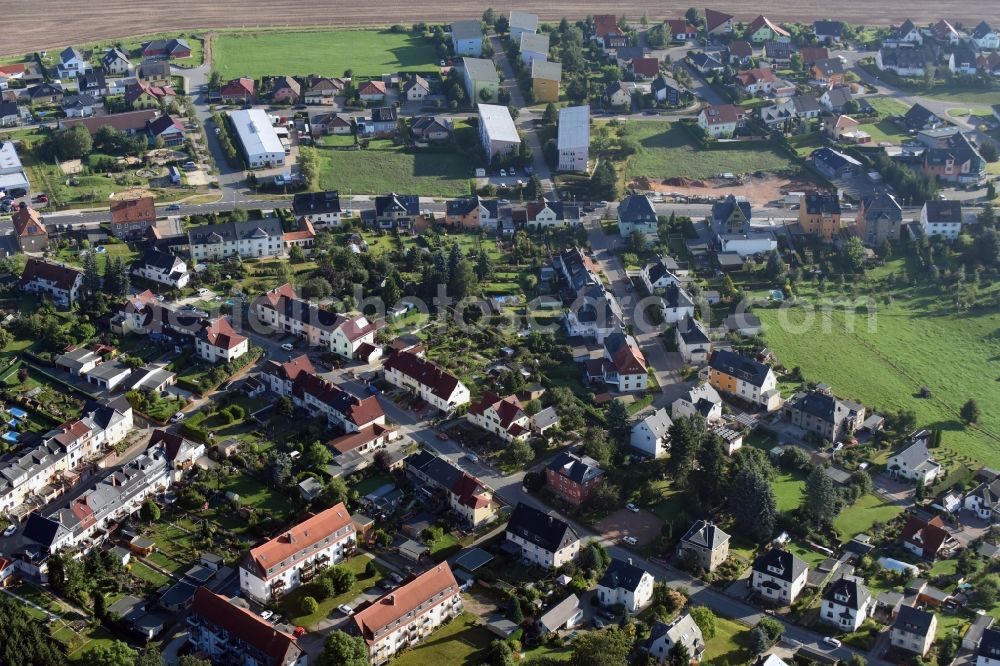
630,560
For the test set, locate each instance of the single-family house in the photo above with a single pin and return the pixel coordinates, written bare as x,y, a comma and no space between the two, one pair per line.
468,497
59,282
637,214
663,639
542,538
704,544
744,378
163,268
984,501
762,29
564,616
416,88
155,73
175,47
957,161
834,164
985,37
503,417
778,576
323,90
32,237
945,33
667,91
702,400
286,90
914,630
238,91
619,93
321,208
323,124
846,603
644,69
963,60
115,61
828,72
925,538
721,120
718,23
915,462
828,32
679,30
705,63
626,584
167,129
941,218
383,121
692,341
676,304
71,63
471,213
651,434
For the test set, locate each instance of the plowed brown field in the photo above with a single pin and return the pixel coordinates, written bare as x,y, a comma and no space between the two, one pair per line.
46,24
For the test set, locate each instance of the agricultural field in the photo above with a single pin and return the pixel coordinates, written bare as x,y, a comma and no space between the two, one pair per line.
667,151
395,170
330,52
885,364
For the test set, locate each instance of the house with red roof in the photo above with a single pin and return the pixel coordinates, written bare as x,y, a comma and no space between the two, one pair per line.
59,282
304,237
218,341
239,91
430,382
623,366
926,538
680,30
7,571
366,440
29,229
297,379
294,557
281,309
229,633
131,217
467,496
504,417
604,25
145,96
718,23
721,120
409,614
644,68
754,81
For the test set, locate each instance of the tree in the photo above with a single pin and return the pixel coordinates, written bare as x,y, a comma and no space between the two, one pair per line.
603,648
520,453
149,657
772,629
604,181
514,612
489,17
685,441
706,621
751,500
691,15
72,143
463,280
708,481
617,419
342,649
987,592
150,511
777,269
342,577
680,655
500,654
596,558
115,653
970,412
336,491
758,640
309,605
99,604
551,114
317,456
857,660
820,503
597,446
852,255
25,639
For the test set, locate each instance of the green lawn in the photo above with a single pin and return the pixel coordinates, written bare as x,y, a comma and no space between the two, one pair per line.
148,574
887,106
460,642
329,52
395,170
884,131
666,151
729,647
292,603
254,493
862,514
336,140
884,361
788,490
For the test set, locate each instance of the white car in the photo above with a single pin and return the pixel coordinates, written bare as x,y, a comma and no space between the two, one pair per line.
287,346
10,530
830,640
202,291
179,416
266,614
345,609
630,540
632,507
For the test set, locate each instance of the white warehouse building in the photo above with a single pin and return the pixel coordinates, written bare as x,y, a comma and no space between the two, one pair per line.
261,146
574,138
497,130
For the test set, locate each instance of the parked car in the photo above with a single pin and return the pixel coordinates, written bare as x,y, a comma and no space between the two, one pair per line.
174,207
830,640
443,436
298,632
472,458
266,614
632,507
202,291
345,609
179,416
287,346
630,541
10,530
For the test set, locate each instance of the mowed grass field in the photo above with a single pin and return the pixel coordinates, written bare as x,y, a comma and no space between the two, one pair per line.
394,170
666,151
330,52
915,341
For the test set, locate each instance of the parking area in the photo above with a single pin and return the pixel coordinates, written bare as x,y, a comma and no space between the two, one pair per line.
643,526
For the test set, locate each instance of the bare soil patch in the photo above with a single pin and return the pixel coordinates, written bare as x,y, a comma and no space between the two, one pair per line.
644,526
761,191
47,27
70,167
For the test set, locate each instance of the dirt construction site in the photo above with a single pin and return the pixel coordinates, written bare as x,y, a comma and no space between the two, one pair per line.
760,190
46,24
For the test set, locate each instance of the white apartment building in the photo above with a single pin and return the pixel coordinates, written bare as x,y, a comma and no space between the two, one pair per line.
651,435
248,240
573,139
544,539
296,556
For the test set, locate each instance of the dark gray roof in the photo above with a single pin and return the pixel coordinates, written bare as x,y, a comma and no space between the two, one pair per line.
906,28
723,209
622,574
157,259
918,116
232,231
989,645
981,30
41,530
913,620
943,211
468,204
821,405
636,208
692,332
829,28
8,109
574,468
384,114
848,592
547,532
397,203
705,535
882,205
739,366
805,103
675,297
825,203
780,564
316,203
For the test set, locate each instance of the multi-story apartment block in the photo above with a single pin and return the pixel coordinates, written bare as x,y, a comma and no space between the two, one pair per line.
744,378
231,634
341,334
441,389
293,558
544,539
250,239
409,614
467,496
573,478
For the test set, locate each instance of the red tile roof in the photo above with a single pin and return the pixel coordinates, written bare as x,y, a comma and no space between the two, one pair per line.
811,54
10,70
142,209
130,121
397,604
441,383
220,333
372,88
296,539
751,76
740,49
241,87
680,27
356,440
245,626
629,360
28,222
508,409
713,19
363,412
291,368
606,24
645,66
928,536
722,114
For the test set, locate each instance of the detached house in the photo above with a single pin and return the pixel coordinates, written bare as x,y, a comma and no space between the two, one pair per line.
958,161
71,63
163,268
60,283
467,496
623,365
828,32
879,218
323,90
543,539
846,602
822,413
925,538
984,501
680,30
651,434
904,60
744,378
721,121
692,341
636,213
131,217
115,61
718,23
820,215
29,229
703,400
663,638
521,23
626,584
985,37
988,650
915,463
914,630
435,386
503,417
240,91
286,90
573,478
218,342
471,213
779,576
676,304
762,29
941,218
322,208
706,544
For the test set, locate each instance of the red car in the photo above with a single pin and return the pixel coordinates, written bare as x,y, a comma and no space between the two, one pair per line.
42,198
298,631
443,436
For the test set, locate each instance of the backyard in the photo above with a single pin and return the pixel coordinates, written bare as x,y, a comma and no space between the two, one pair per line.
730,646
292,603
394,169
666,150
461,642
328,52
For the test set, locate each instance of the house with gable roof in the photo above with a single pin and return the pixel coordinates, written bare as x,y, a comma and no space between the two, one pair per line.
846,603
61,283
249,239
744,378
692,341
985,37
915,462
435,386
503,417
702,400
623,365
218,341
914,630
29,229
541,538
651,434
718,23
467,496
626,584
664,637
636,213
820,412
762,29
926,538
779,576
572,477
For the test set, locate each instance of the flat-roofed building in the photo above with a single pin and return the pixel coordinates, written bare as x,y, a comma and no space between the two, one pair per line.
574,138
260,143
497,131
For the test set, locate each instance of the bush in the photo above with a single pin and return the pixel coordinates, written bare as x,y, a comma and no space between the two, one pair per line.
309,605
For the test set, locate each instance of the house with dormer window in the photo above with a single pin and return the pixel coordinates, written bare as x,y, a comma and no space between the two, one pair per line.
779,576
846,602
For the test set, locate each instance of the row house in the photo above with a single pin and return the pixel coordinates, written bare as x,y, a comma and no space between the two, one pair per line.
541,538
409,614
48,467
230,633
467,496
252,239
297,379
472,213
282,310
433,385
503,417
293,558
